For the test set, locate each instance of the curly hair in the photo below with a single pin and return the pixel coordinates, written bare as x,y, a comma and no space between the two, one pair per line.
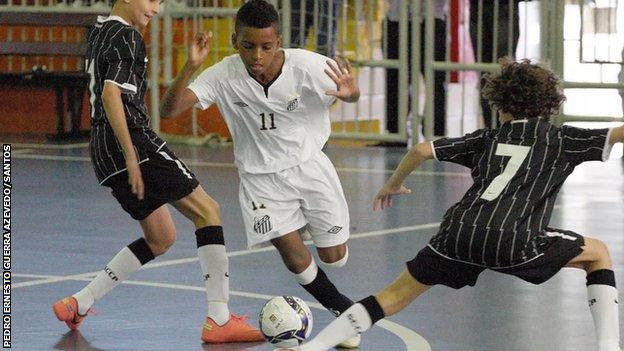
256,14
523,89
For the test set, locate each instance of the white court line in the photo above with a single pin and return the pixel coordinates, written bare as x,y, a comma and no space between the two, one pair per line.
231,165
55,279
48,279
21,151
51,146
412,340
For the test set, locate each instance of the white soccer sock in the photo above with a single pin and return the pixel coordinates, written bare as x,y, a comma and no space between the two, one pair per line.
85,300
603,304
116,271
214,264
308,275
350,323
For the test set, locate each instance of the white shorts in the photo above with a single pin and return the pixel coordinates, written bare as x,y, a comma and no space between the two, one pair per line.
276,204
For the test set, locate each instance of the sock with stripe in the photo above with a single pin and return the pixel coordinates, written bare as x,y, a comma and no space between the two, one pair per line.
603,304
126,262
214,264
315,281
354,321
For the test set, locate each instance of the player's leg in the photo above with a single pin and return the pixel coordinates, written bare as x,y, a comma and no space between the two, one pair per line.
363,314
428,268
313,279
221,325
562,248
159,235
601,292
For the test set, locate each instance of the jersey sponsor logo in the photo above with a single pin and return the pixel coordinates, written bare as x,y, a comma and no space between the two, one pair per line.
334,230
293,104
262,225
241,104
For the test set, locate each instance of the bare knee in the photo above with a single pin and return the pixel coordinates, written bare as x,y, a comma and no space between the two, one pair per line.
595,256
162,243
602,257
296,260
335,256
200,208
208,214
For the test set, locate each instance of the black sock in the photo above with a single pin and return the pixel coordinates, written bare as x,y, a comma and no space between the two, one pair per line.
373,308
141,250
325,292
602,277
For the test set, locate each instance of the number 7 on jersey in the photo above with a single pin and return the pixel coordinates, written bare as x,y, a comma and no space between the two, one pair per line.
518,154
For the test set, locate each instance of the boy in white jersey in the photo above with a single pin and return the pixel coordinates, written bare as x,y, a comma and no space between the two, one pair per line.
276,104
501,223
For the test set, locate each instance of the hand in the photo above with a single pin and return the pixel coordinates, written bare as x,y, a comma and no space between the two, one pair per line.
135,178
383,199
199,49
346,84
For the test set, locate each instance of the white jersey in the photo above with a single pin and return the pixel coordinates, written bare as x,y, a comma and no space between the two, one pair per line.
274,127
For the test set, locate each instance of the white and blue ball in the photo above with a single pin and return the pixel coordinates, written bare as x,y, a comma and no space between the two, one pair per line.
286,321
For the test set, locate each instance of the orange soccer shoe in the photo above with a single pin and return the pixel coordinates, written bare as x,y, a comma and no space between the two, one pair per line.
235,330
66,310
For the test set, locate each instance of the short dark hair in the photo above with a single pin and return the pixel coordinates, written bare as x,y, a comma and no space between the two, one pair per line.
523,89
257,14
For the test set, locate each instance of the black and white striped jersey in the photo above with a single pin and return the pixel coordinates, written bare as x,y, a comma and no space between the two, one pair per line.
116,54
517,170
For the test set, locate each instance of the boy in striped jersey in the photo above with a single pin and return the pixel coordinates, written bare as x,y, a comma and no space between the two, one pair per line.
501,223
145,176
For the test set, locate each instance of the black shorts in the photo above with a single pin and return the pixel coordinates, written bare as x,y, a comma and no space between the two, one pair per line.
166,179
431,268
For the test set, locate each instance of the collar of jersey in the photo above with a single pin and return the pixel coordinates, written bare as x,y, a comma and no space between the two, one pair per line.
103,19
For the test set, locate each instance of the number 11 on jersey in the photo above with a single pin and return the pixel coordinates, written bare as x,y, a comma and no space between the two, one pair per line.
272,117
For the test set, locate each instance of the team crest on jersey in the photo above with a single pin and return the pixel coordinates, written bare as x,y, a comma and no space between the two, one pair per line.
262,224
293,104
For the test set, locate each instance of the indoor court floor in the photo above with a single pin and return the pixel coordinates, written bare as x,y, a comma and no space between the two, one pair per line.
66,227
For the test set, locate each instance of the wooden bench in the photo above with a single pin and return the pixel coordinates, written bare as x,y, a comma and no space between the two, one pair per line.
73,84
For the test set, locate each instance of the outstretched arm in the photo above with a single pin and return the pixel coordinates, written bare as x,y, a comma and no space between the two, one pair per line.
617,135
178,97
394,186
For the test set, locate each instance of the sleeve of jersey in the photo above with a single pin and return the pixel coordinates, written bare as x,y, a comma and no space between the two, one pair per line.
204,87
582,145
121,57
320,80
459,150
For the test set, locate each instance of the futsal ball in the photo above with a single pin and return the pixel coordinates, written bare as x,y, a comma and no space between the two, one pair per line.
286,321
